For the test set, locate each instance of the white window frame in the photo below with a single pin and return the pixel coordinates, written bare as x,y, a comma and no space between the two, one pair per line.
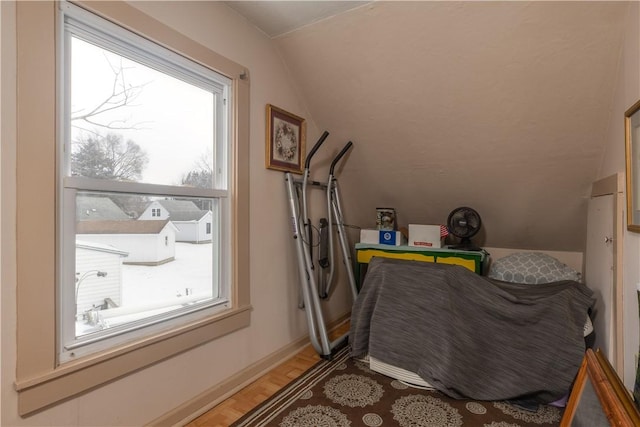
41,380
77,22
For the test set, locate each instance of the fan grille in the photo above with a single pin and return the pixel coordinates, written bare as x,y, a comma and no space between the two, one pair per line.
464,222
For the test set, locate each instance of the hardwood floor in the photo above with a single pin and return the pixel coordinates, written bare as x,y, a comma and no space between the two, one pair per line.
260,390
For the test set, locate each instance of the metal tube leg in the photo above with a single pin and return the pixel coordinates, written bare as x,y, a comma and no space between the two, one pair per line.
313,310
330,250
344,241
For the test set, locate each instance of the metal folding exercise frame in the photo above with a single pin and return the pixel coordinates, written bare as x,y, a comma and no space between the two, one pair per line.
311,290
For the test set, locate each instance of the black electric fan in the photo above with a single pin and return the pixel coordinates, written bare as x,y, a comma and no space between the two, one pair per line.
464,223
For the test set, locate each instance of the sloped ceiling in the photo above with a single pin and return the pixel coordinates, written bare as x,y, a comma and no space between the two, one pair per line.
501,106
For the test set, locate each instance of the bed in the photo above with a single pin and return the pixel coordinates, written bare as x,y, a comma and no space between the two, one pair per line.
471,336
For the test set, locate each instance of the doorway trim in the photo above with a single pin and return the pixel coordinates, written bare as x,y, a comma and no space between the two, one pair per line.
614,185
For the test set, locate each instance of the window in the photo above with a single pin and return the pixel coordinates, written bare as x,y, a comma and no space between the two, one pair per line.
83,257
140,122
208,228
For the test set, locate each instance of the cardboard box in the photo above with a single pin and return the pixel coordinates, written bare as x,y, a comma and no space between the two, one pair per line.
424,236
381,237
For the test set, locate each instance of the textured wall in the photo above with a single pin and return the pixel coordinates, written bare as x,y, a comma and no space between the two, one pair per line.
501,106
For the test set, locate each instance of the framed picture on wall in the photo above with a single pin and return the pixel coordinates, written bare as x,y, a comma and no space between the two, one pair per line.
632,155
286,135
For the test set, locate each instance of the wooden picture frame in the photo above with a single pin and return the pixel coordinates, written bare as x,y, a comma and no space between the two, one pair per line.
286,137
598,397
632,156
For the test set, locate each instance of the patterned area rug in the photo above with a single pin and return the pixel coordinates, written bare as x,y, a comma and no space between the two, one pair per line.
345,392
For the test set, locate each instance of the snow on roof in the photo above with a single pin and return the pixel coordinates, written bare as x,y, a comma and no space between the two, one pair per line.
98,207
121,227
187,216
100,247
182,210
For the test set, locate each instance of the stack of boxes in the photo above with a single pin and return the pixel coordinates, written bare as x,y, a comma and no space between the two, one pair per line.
386,233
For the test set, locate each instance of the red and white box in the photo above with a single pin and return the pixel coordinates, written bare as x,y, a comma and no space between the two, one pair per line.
424,236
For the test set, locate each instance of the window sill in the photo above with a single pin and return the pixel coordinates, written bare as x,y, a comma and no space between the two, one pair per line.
77,377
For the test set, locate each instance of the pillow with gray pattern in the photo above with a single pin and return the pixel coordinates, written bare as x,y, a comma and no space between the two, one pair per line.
531,268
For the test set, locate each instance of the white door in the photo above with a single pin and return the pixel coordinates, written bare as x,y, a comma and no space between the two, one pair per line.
599,270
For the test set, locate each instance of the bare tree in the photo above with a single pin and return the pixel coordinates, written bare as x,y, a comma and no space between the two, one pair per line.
201,175
108,157
122,95
198,178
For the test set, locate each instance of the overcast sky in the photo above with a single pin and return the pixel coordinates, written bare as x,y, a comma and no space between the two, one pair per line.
174,120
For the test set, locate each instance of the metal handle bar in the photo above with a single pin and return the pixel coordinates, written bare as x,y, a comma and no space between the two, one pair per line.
315,148
339,156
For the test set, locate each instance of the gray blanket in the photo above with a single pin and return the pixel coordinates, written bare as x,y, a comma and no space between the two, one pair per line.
470,336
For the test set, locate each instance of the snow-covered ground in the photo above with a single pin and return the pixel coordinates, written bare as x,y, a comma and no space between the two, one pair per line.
151,290
192,269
